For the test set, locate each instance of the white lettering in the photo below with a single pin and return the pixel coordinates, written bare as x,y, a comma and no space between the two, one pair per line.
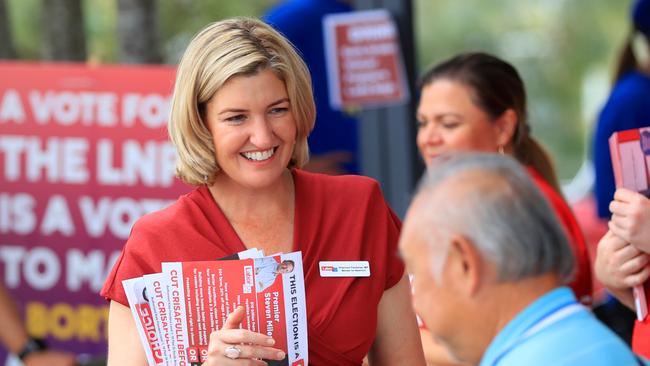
17,213
151,163
63,160
123,216
74,153
89,268
39,160
94,216
116,215
151,110
11,108
139,162
371,32
67,108
57,217
106,173
12,257
42,268
11,146
41,106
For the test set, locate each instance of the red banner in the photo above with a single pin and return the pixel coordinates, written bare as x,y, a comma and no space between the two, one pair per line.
83,154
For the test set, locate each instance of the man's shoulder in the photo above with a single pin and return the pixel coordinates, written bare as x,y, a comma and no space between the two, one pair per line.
578,340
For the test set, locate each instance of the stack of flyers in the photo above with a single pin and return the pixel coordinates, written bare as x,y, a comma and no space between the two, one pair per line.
176,310
630,151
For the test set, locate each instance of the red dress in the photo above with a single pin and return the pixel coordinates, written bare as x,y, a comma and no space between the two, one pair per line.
582,283
336,218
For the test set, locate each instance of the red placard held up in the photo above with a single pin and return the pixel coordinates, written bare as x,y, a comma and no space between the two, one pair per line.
364,62
630,151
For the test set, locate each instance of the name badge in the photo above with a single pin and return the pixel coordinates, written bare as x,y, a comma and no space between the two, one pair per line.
344,268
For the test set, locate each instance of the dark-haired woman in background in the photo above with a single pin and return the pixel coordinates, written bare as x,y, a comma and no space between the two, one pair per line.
477,102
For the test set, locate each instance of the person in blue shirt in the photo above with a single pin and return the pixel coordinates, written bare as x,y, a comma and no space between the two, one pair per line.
334,141
628,105
490,263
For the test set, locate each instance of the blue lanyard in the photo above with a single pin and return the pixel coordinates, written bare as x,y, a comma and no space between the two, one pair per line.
545,321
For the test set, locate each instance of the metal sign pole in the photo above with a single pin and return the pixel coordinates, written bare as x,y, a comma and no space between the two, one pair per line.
387,134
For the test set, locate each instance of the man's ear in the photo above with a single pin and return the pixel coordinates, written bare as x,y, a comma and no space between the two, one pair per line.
464,266
506,126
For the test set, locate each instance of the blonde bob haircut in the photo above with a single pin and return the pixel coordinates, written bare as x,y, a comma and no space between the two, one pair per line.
223,50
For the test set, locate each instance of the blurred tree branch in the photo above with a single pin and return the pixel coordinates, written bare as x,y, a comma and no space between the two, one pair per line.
137,29
64,36
7,50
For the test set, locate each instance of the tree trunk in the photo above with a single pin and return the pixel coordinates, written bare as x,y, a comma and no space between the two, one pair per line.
7,50
138,32
63,30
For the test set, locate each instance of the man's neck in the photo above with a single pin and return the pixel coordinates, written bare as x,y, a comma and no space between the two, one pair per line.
514,297
504,301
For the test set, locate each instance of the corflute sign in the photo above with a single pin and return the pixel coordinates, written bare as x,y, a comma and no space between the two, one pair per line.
83,154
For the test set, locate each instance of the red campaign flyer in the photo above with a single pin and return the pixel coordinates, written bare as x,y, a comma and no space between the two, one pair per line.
630,151
212,291
144,320
176,303
279,283
285,318
157,290
270,288
176,310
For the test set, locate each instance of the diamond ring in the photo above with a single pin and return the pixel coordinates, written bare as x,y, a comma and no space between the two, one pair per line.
232,352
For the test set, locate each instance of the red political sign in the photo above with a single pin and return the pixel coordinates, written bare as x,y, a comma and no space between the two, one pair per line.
84,153
364,62
630,152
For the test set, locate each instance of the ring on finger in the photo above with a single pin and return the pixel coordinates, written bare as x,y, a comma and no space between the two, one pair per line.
232,352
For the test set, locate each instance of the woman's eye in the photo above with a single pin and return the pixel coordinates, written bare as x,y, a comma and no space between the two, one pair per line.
450,124
420,124
236,119
279,110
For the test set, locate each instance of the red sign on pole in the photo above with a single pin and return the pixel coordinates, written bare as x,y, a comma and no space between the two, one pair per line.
364,62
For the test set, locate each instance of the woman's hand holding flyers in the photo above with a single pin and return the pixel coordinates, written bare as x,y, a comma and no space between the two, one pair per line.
631,218
232,345
620,265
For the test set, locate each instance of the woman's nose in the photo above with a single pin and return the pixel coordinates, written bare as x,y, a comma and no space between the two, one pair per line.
262,133
429,134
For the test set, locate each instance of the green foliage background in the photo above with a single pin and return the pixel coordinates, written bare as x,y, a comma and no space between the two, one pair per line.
564,49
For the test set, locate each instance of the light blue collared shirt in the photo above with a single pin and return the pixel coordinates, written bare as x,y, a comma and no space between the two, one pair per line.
571,338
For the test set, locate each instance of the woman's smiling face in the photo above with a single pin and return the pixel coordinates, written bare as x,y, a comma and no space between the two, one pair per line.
253,129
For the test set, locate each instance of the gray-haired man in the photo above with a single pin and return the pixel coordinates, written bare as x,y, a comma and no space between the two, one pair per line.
490,262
